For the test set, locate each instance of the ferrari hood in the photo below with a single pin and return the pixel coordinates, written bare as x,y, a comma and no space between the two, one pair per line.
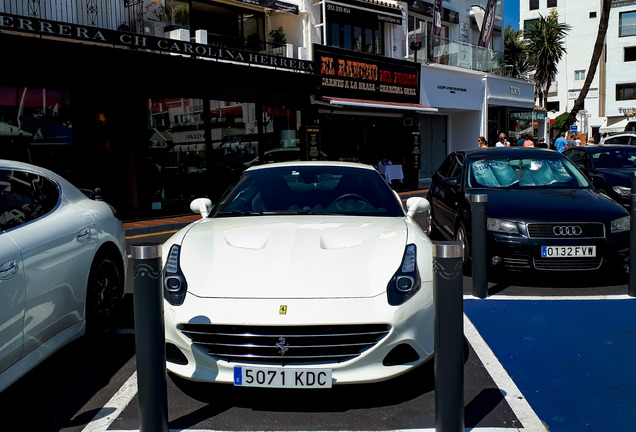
280,257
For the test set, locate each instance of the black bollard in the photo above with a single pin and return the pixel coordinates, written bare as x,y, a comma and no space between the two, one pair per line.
478,245
150,338
449,336
631,287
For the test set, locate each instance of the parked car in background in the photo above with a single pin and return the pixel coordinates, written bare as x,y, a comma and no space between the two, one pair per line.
622,138
543,215
305,275
609,167
62,266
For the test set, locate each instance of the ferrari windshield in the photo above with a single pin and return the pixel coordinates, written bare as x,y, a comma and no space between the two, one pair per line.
506,173
310,189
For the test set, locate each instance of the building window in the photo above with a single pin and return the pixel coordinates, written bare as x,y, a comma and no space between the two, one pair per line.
627,26
534,4
527,24
579,75
553,106
630,54
366,37
625,91
592,14
552,3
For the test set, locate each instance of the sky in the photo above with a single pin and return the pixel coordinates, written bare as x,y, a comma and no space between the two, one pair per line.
511,13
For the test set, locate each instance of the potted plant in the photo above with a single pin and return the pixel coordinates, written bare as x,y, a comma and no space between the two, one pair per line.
277,37
172,15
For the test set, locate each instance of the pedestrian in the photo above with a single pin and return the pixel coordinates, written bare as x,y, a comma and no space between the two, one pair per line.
590,141
528,142
561,143
520,141
571,142
577,141
482,142
542,143
502,141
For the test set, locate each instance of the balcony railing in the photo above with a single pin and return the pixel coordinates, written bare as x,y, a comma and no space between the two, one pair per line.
460,54
129,16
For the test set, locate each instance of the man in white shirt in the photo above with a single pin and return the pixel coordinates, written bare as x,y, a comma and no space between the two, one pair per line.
502,141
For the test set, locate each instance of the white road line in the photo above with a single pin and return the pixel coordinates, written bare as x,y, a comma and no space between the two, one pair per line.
114,406
516,400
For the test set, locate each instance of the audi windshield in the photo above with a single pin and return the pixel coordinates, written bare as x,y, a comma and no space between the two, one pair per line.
514,173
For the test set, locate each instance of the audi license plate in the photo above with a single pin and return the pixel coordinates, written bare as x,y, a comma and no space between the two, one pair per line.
568,251
248,376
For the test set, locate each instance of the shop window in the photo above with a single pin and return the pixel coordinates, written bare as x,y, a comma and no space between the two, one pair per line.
37,127
627,24
625,91
281,128
630,54
534,5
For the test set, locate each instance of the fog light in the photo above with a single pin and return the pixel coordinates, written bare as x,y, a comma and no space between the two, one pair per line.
496,260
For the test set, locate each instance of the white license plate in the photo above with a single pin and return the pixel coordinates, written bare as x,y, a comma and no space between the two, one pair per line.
568,251
248,376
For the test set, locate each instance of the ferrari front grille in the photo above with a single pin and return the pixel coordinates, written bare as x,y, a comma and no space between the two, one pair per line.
276,345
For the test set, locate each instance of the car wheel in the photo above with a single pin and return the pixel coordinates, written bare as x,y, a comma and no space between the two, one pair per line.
461,237
104,296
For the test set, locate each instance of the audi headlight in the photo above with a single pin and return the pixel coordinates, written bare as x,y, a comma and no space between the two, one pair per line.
620,225
623,191
406,281
502,226
174,282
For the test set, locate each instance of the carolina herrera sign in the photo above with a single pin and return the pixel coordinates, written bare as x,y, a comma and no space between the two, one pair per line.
133,40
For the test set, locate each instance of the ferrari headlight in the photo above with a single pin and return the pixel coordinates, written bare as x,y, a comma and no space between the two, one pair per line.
174,283
406,281
502,226
620,224
623,191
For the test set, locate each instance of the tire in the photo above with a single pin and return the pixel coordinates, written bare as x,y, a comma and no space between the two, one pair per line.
461,237
104,296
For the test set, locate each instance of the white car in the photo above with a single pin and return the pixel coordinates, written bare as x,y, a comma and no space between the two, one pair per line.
622,138
62,266
304,275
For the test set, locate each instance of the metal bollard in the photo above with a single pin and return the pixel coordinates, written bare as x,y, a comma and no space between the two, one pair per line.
478,250
150,338
631,287
449,336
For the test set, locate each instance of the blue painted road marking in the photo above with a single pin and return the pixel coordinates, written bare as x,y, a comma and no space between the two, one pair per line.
574,360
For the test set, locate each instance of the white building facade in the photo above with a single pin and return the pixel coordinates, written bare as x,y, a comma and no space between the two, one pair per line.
611,101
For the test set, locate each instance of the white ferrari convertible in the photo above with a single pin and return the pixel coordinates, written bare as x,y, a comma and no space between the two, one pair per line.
304,275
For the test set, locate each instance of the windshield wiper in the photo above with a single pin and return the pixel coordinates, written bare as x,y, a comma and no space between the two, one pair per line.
238,213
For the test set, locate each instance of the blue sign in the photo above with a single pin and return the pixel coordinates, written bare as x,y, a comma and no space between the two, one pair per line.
574,128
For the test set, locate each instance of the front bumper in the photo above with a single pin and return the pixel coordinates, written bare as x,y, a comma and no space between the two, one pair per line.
410,331
520,253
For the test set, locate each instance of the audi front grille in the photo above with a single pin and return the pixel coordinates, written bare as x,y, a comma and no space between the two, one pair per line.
275,345
567,230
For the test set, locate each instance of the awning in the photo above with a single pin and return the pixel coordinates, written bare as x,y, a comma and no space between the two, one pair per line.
273,4
363,103
613,125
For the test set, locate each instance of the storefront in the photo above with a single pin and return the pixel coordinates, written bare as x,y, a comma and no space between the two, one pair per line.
507,101
367,110
151,121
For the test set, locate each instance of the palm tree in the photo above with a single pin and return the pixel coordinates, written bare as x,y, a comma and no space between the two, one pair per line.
546,47
515,55
606,6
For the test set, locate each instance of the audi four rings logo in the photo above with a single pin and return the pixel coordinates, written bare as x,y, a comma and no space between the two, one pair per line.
573,230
